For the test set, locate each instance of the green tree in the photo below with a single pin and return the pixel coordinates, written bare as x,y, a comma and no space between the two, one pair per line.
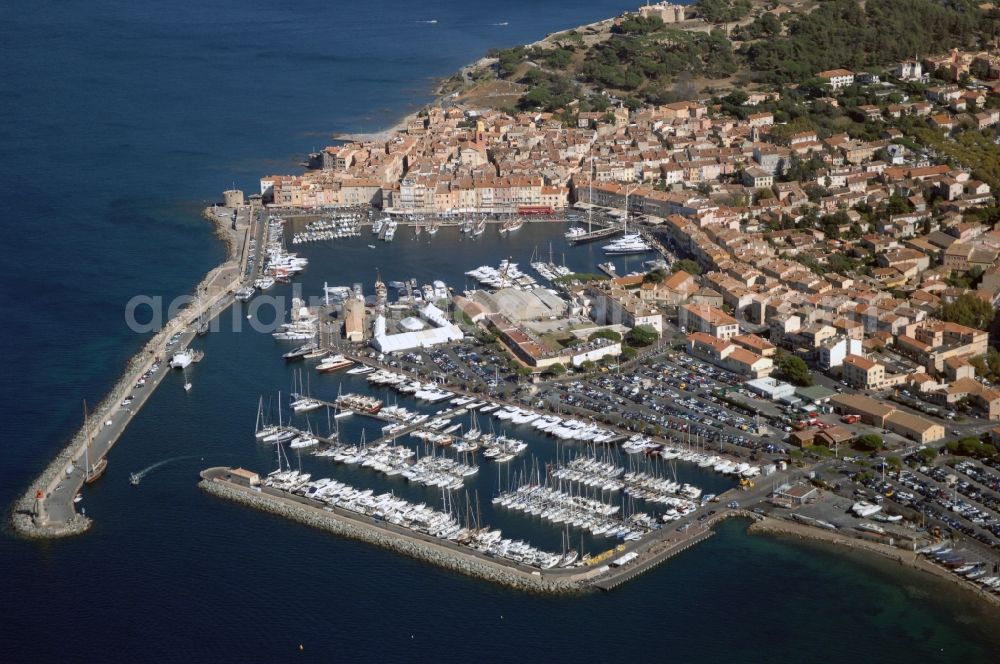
855,35
642,335
508,60
723,11
988,366
686,264
869,442
557,369
980,69
969,310
629,353
794,369
972,446
633,24
605,334
655,276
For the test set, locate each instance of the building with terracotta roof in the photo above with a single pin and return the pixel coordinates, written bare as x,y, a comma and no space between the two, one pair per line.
931,343
837,78
871,411
914,427
863,373
728,355
708,319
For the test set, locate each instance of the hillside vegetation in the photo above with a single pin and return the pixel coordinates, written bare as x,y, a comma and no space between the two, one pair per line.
643,60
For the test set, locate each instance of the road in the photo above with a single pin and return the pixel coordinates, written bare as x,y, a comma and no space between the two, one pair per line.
110,420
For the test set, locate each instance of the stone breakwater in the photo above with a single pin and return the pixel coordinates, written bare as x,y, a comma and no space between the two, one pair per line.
219,283
355,528
783,528
22,523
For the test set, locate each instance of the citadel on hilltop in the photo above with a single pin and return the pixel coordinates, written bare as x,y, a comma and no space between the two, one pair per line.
665,11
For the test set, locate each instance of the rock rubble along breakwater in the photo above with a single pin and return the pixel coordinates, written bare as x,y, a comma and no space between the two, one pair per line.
429,552
62,519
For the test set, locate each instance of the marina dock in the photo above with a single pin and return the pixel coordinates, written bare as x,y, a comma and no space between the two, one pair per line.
597,234
609,571
224,484
387,438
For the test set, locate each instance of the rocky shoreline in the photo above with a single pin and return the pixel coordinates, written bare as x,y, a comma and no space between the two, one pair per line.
781,528
224,233
424,551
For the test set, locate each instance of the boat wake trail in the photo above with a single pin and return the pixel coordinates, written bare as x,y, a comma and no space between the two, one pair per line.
135,478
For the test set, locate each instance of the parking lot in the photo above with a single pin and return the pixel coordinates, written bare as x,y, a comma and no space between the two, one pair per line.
964,499
675,396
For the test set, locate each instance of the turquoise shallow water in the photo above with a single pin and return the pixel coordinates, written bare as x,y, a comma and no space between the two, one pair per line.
119,121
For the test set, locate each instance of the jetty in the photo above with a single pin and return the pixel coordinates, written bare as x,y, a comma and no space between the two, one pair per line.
594,235
605,571
47,508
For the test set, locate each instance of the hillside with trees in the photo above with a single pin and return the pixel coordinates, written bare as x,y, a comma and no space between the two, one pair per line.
843,33
639,59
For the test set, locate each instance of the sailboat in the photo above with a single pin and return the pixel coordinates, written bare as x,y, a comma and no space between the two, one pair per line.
628,243
511,225
91,473
263,429
577,232
203,321
278,433
302,402
480,226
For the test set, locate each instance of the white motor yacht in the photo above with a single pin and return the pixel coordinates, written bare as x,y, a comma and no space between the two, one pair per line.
181,359
627,244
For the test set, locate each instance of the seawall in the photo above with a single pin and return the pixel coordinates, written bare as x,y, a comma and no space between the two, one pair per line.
364,530
218,285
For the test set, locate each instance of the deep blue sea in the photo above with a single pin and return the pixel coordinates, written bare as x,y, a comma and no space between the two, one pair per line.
118,122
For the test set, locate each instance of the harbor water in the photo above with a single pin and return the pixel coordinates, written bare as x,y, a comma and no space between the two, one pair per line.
120,122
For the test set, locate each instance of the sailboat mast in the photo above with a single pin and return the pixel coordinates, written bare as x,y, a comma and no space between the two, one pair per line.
86,450
590,198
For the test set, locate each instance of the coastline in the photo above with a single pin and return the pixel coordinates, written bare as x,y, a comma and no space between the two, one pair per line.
780,528
21,515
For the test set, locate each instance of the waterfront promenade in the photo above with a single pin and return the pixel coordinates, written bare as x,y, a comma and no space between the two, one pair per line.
47,508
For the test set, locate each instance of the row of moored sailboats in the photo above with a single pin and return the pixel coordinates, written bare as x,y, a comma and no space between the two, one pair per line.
416,517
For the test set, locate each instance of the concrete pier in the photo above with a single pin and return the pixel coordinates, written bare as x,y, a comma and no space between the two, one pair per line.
443,553
46,509
651,550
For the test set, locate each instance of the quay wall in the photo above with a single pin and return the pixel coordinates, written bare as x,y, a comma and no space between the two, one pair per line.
220,285
664,549
356,528
451,557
